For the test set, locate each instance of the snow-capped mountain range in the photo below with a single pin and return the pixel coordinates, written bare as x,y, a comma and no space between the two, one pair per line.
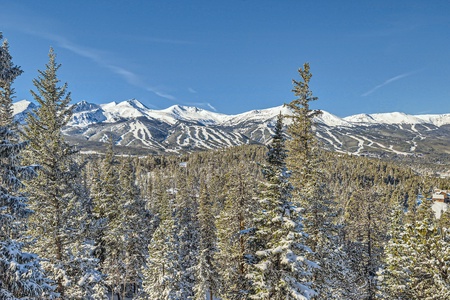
182,128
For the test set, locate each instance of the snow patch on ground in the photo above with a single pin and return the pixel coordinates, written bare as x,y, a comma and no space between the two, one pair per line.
391,147
360,144
438,208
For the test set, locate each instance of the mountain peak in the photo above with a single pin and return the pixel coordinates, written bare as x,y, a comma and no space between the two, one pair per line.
192,114
360,118
21,109
22,106
85,106
133,103
385,118
183,108
331,120
180,128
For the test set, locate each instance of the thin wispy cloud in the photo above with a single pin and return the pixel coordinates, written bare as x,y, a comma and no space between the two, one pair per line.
428,111
129,76
92,54
100,58
161,94
210,106
203,104
388,81
97,57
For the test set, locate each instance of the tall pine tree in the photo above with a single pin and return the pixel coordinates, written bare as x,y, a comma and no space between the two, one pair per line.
233,227
394,277
21,275
173,250
366,223
136,227
107,197
282,269
57,196
428,250
8,73
310,178
206,282
187,232
161,272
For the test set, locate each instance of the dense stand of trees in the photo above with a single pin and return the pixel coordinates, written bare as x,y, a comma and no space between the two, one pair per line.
286,221
21,273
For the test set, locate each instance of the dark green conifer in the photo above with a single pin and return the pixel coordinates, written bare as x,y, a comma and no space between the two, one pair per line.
310,179
207,276
57,195
8,73
21,275
281,269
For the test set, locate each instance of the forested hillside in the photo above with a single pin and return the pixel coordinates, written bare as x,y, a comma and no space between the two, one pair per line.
286,221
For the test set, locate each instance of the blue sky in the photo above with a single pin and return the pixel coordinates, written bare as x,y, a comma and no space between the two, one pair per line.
234,56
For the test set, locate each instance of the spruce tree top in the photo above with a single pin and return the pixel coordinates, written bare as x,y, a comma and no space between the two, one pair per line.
53,99
301,129
8,72
276,153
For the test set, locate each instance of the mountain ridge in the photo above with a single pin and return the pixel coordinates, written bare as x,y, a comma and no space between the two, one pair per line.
124,109
181,128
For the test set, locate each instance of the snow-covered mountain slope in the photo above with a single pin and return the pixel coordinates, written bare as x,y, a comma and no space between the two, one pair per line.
85,114
21,110
331,120
385,118
437,120
181,128
258,115
22,106
124,110
189,114
399,118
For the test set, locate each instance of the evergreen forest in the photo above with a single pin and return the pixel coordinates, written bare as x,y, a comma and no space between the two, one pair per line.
286,220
